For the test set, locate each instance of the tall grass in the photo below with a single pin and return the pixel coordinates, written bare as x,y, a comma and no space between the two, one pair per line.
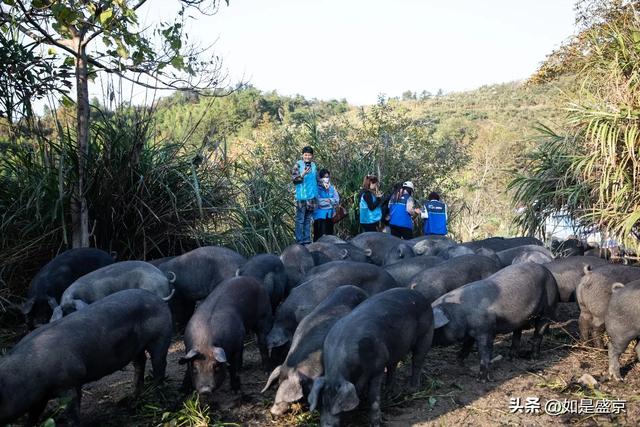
597,180
146,197
549,183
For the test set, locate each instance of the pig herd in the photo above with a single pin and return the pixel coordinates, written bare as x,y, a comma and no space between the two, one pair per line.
332,319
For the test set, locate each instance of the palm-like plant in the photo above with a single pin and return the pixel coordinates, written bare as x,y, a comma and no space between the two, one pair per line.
598,178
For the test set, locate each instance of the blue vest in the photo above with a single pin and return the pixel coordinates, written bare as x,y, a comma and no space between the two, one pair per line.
399,215
436,223
367,216
308,188
323,193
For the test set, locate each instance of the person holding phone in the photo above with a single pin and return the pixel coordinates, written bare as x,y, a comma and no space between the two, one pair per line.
304,177
328,200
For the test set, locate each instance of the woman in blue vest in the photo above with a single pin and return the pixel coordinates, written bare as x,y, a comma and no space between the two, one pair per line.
327,201
435,216
401,210
304,178
370,204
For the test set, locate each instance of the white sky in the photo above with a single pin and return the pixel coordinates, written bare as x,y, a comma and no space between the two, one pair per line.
357,49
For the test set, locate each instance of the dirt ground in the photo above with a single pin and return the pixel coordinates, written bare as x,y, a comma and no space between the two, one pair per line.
451,393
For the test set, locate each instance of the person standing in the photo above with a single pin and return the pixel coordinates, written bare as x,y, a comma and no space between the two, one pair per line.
401,211
304,178
435,216
328,200
370,204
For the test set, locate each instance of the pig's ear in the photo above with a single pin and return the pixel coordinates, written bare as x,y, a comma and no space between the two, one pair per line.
57,314
314,395
291,389
402,251
616,286
274,376
219,355
190,356
346,400
276,338
27,306
439,318
78,304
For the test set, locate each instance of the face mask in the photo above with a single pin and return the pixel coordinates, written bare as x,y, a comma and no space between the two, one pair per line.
325,180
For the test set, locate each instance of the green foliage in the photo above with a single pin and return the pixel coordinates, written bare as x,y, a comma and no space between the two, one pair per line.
603,170
192,414
146,197
548,183
26,76
464,145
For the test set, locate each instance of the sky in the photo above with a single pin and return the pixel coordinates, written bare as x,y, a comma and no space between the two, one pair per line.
358,50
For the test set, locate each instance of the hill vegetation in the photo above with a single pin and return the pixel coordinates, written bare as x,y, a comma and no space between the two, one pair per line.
199,168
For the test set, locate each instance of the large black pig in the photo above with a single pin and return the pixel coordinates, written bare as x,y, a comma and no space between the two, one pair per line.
593,294
304,360
54,278
320,282
61,356
365,344
214,337
622,322
507,301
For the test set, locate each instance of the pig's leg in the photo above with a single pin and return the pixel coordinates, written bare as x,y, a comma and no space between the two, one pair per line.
617,346
234,368
139,363
73,410
158,350
541,326
35,411
467,344
375,414
390,380
261,339
422,347
584,324
515,343
485,348
598,332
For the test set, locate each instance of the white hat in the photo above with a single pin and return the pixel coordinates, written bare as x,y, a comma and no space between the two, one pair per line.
408,184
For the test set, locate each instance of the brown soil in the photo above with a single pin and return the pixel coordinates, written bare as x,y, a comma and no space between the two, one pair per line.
451,393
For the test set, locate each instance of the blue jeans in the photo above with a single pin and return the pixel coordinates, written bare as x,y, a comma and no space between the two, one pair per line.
303,223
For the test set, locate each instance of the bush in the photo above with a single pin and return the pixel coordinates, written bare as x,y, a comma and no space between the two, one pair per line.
146,198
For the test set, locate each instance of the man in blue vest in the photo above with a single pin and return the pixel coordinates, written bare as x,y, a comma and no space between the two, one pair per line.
304,176
435,216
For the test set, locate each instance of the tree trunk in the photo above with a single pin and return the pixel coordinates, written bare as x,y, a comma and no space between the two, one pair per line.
79,210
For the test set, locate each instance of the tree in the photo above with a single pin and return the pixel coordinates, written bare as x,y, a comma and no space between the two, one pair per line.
26,76
593,172
409,95
104,36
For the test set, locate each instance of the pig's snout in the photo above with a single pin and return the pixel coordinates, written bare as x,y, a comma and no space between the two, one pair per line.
279,408
205,390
